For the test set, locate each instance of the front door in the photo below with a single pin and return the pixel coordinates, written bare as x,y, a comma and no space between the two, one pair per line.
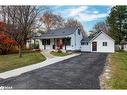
94,46
59,44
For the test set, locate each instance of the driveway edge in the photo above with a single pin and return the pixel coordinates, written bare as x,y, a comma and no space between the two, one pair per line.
106,74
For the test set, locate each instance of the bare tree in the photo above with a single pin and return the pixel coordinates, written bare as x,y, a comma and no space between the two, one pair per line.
75,23
101,26
72,23
21,21
51,21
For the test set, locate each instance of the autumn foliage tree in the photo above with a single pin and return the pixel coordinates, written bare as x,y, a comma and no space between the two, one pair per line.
21,21
5,40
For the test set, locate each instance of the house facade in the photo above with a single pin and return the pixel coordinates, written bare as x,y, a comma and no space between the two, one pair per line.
64,39
71,38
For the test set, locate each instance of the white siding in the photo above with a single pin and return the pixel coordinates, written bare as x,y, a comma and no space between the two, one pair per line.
75,41
86,48
78,39
40,44
72,46
125,47
104,38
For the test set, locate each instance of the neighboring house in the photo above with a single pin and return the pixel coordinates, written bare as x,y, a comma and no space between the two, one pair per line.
98,42
67,38
71,38
124,45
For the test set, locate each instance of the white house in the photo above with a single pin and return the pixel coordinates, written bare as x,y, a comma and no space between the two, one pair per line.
71,38
124,45
99,42
67,38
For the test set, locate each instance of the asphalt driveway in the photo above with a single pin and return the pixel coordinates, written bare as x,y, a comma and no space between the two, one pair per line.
80,72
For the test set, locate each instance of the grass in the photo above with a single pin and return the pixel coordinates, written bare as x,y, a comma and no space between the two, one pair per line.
58,53
119,71
12,61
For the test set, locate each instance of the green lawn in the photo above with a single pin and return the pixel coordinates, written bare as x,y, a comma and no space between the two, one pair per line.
12,61
119,70
58,53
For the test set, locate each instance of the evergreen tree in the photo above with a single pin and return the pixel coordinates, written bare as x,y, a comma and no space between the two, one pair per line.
117,21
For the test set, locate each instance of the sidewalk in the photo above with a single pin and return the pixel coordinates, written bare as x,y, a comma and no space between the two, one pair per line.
16,72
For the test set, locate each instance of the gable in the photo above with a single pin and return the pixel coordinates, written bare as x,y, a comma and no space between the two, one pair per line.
101,36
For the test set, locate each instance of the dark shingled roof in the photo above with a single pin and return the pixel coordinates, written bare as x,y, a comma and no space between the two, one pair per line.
85,39
89,38
123,42
58,33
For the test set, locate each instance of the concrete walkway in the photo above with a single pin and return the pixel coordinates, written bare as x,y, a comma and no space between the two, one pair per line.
47,54
16,72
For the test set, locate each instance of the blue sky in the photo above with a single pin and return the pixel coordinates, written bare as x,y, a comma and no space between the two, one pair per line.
87,15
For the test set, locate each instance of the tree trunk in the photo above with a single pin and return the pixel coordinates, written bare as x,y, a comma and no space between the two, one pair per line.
20,52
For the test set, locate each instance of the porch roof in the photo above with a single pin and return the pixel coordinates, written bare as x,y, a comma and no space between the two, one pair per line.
58,33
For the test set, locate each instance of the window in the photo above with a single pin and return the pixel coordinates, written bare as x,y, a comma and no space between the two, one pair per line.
43,42
84,43
104,43
46,42
63,40
79,31
28,41
68,41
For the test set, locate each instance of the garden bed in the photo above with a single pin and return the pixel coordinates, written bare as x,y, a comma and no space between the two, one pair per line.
59,53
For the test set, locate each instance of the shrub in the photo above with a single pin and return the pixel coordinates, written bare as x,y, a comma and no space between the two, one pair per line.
59,51
36,46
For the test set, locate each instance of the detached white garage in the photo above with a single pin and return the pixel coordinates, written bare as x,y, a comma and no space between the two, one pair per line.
99,42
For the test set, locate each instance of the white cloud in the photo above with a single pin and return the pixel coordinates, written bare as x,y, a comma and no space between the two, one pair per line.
90,17
95,12
75,11
84,14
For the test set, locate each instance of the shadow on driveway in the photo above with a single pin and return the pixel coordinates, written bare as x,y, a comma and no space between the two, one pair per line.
80,72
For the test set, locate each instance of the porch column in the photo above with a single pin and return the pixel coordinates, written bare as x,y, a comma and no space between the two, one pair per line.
65,44
54,44
34,43
30,44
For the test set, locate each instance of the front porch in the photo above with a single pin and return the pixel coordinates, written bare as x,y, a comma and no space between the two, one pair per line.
55,43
